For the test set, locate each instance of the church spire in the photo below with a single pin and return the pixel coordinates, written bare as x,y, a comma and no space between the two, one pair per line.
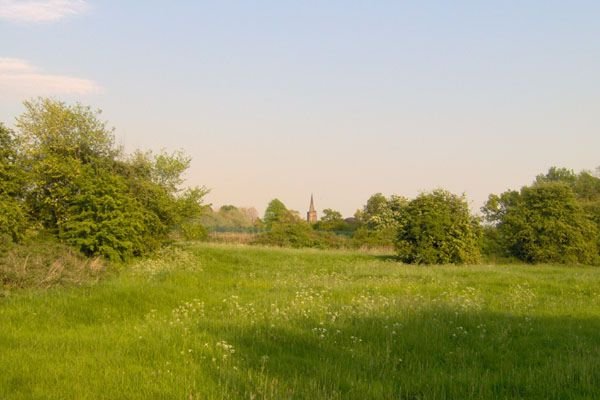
311,215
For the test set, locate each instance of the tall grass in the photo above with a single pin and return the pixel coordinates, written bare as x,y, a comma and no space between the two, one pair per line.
45,263
231,237
220,322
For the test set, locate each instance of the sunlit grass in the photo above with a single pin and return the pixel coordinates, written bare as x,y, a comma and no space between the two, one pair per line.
216,321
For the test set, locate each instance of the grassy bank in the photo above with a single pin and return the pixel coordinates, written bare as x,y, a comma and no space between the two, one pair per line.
217,321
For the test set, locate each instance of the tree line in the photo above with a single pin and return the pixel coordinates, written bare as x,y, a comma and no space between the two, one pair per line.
556,219
62,176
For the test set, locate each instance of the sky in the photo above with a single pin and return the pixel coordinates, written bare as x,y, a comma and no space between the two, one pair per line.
343,99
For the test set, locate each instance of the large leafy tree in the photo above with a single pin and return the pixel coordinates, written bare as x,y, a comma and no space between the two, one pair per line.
86,191
58,140
586,187
437,228
544,222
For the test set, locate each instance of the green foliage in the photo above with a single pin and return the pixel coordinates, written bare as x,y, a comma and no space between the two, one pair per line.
57,141
193,231
189,210
586,186
277,212
543,223
11,175
151,179
437,228
231,219
299,234
87,192
379,220
13,220
104,219
288,234
369,238
331,216
332,221
556,174
285,228
380,212
168,168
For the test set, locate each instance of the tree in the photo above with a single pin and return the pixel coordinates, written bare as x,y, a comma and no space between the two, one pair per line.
556,174
437,228
376,207
231,218
250,215
57,140
83,189
103,218
379,220
331,220
579,196
330,215
277,212
543,222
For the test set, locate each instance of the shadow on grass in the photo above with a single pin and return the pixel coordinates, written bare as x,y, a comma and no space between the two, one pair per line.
431,354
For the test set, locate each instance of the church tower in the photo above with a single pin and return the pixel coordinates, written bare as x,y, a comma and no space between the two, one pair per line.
311,215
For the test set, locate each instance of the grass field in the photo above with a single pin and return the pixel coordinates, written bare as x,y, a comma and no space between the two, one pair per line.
215,321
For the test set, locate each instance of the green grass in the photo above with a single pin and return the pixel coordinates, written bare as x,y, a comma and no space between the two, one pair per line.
216,321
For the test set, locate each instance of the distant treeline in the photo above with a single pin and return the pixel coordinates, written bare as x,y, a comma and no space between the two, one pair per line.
61,175
556,219
229,218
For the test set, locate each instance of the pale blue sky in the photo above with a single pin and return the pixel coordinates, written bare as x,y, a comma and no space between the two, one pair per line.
340,98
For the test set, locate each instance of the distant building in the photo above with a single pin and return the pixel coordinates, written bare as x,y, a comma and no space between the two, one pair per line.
311,215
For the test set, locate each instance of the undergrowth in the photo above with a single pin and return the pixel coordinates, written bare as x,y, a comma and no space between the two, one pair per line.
45,263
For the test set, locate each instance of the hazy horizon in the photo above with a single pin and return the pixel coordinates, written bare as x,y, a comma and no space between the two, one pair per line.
342,100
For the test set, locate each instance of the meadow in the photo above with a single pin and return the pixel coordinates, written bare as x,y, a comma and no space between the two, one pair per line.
216,321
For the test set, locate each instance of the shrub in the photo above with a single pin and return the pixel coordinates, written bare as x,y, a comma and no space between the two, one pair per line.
299,234
374,238
85,191
543,223
378,221
13,221
437,228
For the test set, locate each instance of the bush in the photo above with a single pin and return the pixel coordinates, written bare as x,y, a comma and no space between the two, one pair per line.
543,223
86,192
378,221
437,228
103,219
298,235
13,220
374,238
